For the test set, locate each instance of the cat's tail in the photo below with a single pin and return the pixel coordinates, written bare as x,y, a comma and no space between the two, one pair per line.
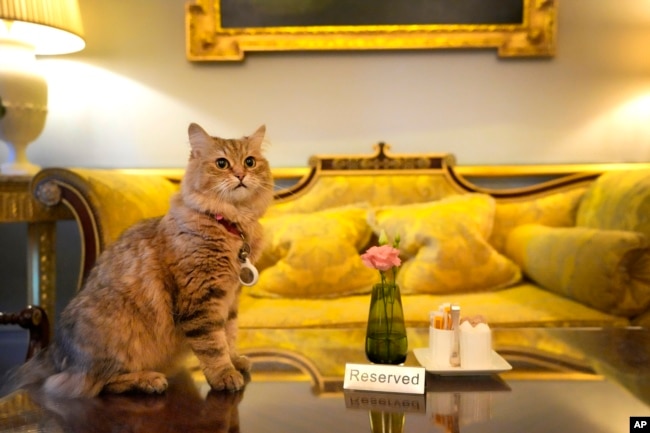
33,372
40,371
71,384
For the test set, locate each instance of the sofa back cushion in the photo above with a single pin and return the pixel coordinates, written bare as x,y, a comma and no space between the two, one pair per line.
445,245
618,200
376,189
315,255
554,210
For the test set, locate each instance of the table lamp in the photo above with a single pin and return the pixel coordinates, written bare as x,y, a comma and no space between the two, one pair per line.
29,28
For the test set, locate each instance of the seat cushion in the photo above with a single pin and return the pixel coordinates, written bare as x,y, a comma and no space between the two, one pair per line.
522,305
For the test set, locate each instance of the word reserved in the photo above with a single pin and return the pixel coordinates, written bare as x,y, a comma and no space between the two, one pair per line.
388,378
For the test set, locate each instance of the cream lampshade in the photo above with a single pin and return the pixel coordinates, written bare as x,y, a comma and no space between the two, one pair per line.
29,28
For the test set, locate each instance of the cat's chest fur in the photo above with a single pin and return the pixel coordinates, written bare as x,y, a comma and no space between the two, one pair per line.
207,246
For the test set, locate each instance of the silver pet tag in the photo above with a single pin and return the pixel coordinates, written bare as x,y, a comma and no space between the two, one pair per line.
248,275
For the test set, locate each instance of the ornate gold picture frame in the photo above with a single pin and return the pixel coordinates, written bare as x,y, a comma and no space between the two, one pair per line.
227,29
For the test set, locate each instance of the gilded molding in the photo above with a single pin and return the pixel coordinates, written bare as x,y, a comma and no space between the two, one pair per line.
42,242
381,160
18,205
207,40
15,206
48,193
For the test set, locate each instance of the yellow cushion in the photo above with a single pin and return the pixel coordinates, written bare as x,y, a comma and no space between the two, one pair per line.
376,189
522,305
315,255
606,269
617,201
555,210
120,200
445,247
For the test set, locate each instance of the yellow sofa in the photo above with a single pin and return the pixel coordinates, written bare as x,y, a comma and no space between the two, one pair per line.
571,250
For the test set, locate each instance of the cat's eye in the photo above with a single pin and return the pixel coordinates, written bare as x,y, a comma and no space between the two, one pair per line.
222,163
250,162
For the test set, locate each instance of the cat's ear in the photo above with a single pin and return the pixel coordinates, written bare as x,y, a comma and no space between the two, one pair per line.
199,140
257,138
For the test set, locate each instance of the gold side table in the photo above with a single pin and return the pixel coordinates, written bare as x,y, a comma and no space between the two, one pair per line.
17,205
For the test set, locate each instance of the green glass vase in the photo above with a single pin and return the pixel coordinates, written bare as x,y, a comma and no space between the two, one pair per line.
386,341
386,422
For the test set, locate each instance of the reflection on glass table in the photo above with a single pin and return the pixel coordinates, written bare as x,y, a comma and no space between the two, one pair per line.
540,394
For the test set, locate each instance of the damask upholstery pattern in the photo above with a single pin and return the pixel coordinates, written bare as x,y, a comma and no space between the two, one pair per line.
606,269
375,190
555,210
131,197
315,255
446,248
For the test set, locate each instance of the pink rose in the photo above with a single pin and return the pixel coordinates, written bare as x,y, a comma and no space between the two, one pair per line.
381,258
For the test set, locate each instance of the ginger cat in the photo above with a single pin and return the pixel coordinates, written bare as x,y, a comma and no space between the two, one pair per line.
168,283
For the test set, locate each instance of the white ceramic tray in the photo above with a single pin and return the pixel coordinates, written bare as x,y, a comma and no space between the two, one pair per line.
498,365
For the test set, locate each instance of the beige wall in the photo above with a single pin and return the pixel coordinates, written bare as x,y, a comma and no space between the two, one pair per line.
126,100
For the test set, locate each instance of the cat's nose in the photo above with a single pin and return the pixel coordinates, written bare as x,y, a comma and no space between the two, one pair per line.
238,173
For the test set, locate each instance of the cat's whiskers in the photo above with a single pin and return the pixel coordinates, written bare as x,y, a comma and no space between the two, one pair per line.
221,189
261,185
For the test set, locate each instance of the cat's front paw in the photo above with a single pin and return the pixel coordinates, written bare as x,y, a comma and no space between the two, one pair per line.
227,378
242,363
155,383
150,382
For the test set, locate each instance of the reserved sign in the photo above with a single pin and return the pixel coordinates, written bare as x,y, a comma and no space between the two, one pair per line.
387,378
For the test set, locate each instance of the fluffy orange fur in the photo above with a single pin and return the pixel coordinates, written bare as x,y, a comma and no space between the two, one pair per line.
167,284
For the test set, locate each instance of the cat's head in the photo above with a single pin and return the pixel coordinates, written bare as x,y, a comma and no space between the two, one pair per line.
227,176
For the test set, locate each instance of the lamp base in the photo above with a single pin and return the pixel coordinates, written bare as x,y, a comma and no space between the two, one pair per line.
19,169
23,90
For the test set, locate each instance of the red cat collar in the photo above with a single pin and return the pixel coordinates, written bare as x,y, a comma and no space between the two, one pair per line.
248,274
229,225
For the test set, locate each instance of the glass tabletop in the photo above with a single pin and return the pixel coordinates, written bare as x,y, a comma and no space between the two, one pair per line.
598,386
479,404
623,354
